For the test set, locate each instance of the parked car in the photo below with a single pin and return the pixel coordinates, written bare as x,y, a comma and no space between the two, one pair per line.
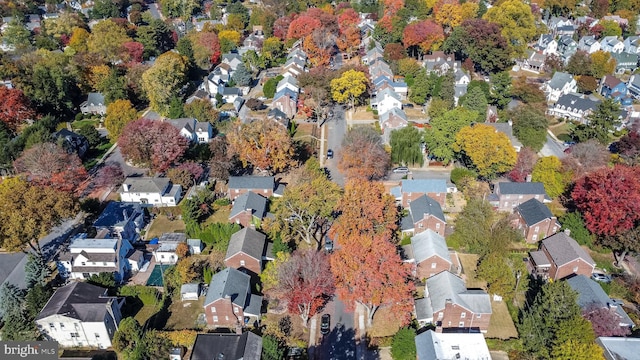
401,170
328,245
325,324
329,154
408,106
601,277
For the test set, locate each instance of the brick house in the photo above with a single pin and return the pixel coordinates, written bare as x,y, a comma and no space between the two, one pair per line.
248,209
263,185
560,256
535,220
246,250
508,195
430,254
229,301
450,305
410,190
424,213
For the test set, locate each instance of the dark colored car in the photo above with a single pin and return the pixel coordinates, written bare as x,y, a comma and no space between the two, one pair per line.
325,324
329,154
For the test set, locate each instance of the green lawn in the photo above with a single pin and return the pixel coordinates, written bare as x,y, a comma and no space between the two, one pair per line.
78,124
501,325
469,264
93,155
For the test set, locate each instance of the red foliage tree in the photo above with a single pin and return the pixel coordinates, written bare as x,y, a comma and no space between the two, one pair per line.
423,34
609,199
134,51
48,164
109,175
605,321
156,144
394,51
629,145
305,282
348,18
524,166
363,156
210,41
302,26
185,174
390,9
281,27
14,108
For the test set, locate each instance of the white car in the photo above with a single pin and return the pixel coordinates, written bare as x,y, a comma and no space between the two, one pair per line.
401,170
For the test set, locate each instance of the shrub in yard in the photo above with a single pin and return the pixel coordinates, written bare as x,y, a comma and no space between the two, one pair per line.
146,294
403,346
459,173
184,338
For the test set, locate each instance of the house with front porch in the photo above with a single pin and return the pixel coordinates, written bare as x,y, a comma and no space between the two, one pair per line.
574,107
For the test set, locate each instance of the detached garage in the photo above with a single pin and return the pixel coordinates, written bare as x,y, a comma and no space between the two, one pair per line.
189,292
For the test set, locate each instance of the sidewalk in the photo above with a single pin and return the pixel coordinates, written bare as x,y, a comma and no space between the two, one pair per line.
361,332
312,336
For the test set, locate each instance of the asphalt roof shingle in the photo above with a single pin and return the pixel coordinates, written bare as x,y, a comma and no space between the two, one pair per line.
251,182
525,188
533,211
425,205
78,300
229,282
427,244
446,286
563,249
248,241
247,346
249,200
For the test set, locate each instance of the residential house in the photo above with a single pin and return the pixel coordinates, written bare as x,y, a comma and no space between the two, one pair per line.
229,302
613,88
412,189
507,195
286,101
589,44
621,21
507,129
591,297
247,250
279,117
558,23
232,59
262,185
399,87
80,315
374,54
288,82
430,254
380,68
448,304
632,44
619,348
534,62
199,94
248,209
121,220
153,191
461,77
440,63
567,47
547,45
219,76
294,66
200,132
393,120
200,24
386,100
633,85
574,107
298,54
560,256
535,220
73,142
560,84
168,243
86,257
625,62
94,104
245,346
611,44
431,345
424,214
229,94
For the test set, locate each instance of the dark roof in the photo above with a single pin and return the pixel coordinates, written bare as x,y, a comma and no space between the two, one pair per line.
590,293
524,188
247,346
611,81
95,98
229,282
249,200
251,182
78,300
563,249
425,205
248,241
114,214
65,133
577,102
533,211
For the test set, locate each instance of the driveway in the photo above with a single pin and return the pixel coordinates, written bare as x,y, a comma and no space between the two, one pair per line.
553,147
244,113
116,157
154,10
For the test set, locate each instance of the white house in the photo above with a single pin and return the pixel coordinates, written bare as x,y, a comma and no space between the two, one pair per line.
386,100
195,131
165,253
189,291
80,315
632,44
611,44
195,246
94,104
153,191
547,45
288,82
560,84
446,346
86,257
573,107
234,60
589,44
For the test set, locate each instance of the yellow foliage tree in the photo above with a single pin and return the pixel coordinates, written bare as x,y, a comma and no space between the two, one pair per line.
349,87
106,40
548,171
229,35
97,74
490,151
449,15
119,114
517,23
469,10
602,63
164,79
269,276
79,39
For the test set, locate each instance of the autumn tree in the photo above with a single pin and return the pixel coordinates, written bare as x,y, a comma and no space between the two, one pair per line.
368,270
306,204
15,108
629,146
517,23
349,87
602,64
51,165
302,26
586,157
185,174
151,143
580,64
109,175
482,147
405,146
119,114
106,39
422,36
482,42
264,144
202,110
221,160
29,212
499,275
363,156
206,48
164,79
527,158
441,136
548,170
448,15
605,321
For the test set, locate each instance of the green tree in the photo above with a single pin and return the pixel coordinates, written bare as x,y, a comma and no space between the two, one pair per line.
497,272
92,134
128,337
156,38
403,346
176,108
104,279
600,123
36,270
202,110
476,101
530,125
421,88
164,79
37,297
501,89
272,348
440,137
406,146
103,9
574,222
602,64
610,28
106,40
580,64
460,173
574,349
270,85
16,34
119,114
548,170
242,76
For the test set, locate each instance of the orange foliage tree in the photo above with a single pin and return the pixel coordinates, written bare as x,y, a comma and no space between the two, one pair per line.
51,165
363,155
302,26
390,9
423,36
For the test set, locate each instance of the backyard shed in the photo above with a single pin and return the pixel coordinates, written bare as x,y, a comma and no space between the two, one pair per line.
189,292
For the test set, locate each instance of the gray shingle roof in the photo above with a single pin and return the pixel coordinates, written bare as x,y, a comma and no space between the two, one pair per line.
247,346
540,258
446,286
506,129
95,98
183,123
229,282
533,211
578,102
249,200
425,205
248,241
590,293
563,249
427,244
525,188
423,309
190,288
559,79
114,214
77,300
145,184
619,348
424,186
251,182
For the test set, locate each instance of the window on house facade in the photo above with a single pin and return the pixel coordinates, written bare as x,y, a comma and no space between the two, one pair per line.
104,264
83,263
97,335
437,226
461,324
51,325
463,315
241,262
534,237
75,335
215,319
536,229
478,316
575,269
201,139
519,196
440,315
420,225
235,310
213,309
61,326
433,265
226,318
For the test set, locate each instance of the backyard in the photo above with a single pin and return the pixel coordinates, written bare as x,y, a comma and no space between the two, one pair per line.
183,314
501,325
161,224
469,264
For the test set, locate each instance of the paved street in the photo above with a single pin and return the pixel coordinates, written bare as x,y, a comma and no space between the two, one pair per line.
155,11
336,128
553,148
339,343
